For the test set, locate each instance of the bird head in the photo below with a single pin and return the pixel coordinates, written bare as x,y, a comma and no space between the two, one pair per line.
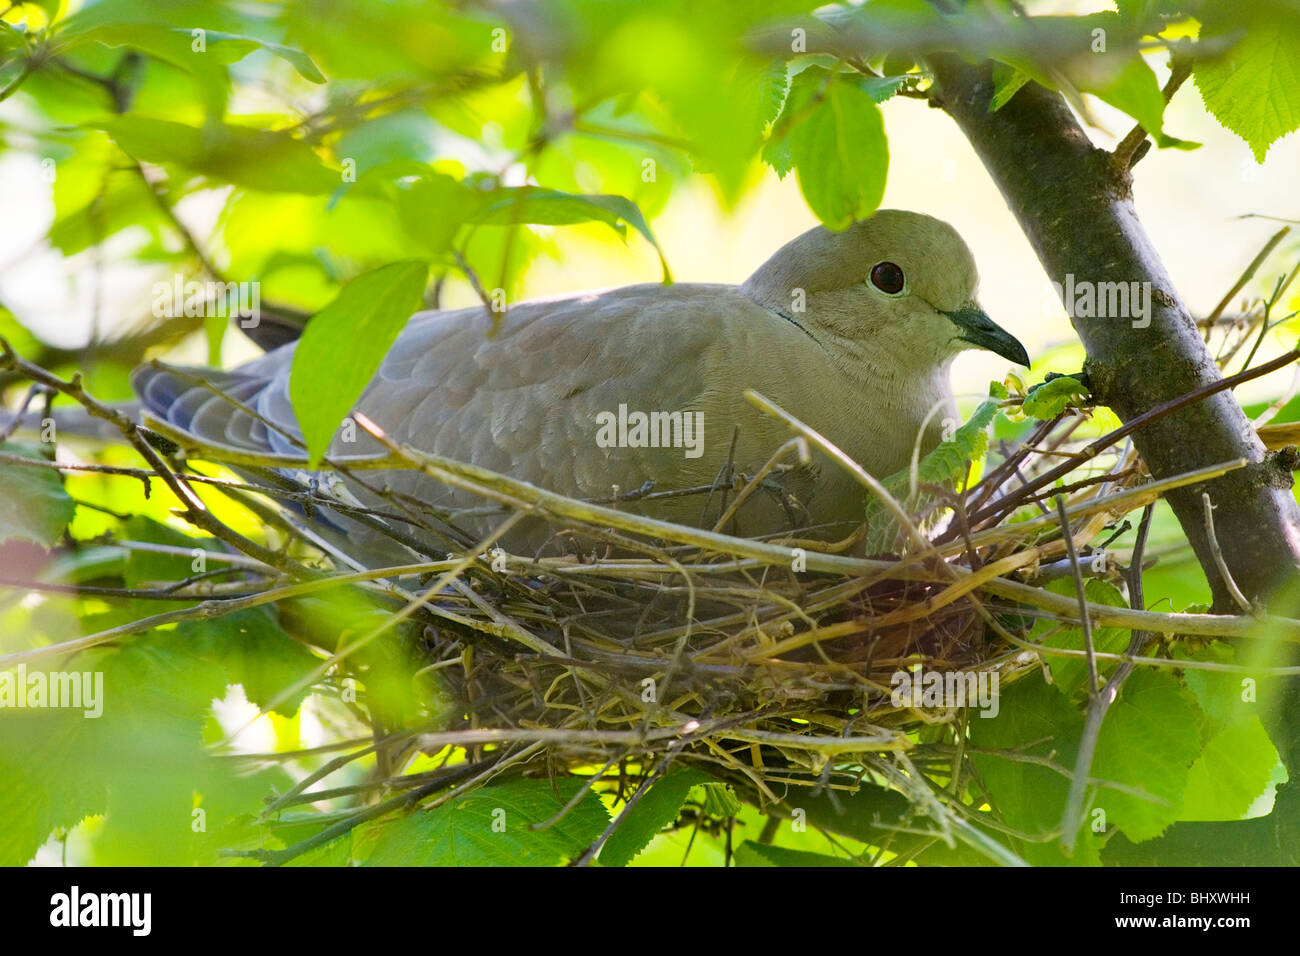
899,283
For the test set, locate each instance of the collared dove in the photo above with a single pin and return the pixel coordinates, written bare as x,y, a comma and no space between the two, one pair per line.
852,332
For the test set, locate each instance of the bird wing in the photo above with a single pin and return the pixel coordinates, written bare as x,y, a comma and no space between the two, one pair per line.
525,401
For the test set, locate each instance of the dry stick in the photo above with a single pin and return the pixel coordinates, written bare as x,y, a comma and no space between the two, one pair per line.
212,609
334,462
1082,594
196,512
1074,798
798,443
1096,447
1249,273
331,833
990,483
144,475
1098,704
1221,564
1130,148
859,474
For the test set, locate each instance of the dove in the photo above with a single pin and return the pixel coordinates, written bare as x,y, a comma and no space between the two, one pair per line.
597,394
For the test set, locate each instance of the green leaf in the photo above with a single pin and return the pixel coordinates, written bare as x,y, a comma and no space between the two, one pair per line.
261,159
1218,693
343,344
255,652
773,88
1048,400
179,46
1231,773
718,800
1036,721
126,202
946,465
141,762
750,853
1134,89
660,806
34,505
776,153
841,156
434,208
1007,81
202,53
947,462
549,207
1148,741
1253,89
492,826
1070,674
881,88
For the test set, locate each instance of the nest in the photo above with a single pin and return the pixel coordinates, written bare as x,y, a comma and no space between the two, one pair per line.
775,664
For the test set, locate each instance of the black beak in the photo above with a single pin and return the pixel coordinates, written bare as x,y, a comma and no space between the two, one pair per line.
978,329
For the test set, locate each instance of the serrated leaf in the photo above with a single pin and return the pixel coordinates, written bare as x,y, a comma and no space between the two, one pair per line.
1218,693
492,826
255,652
202,53
1048,400
660,806
343,344
433,208
1253,89
1148,742
1033,720
947,462
141,762
841,156
1231,773
718,800
34,506
881,88
776,153
1134,89
773,87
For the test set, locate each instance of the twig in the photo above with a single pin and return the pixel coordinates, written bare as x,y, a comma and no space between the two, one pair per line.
195,511
1090,451
1130,149
1219,562
1098,704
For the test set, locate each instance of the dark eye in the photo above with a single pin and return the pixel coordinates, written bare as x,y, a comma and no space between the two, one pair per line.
887,277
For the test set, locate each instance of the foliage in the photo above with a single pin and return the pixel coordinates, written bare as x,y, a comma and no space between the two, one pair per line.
364,158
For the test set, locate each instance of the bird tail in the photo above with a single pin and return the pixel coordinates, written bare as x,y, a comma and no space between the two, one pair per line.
213,406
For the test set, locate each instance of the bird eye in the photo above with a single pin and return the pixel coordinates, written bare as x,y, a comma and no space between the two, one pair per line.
887,277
